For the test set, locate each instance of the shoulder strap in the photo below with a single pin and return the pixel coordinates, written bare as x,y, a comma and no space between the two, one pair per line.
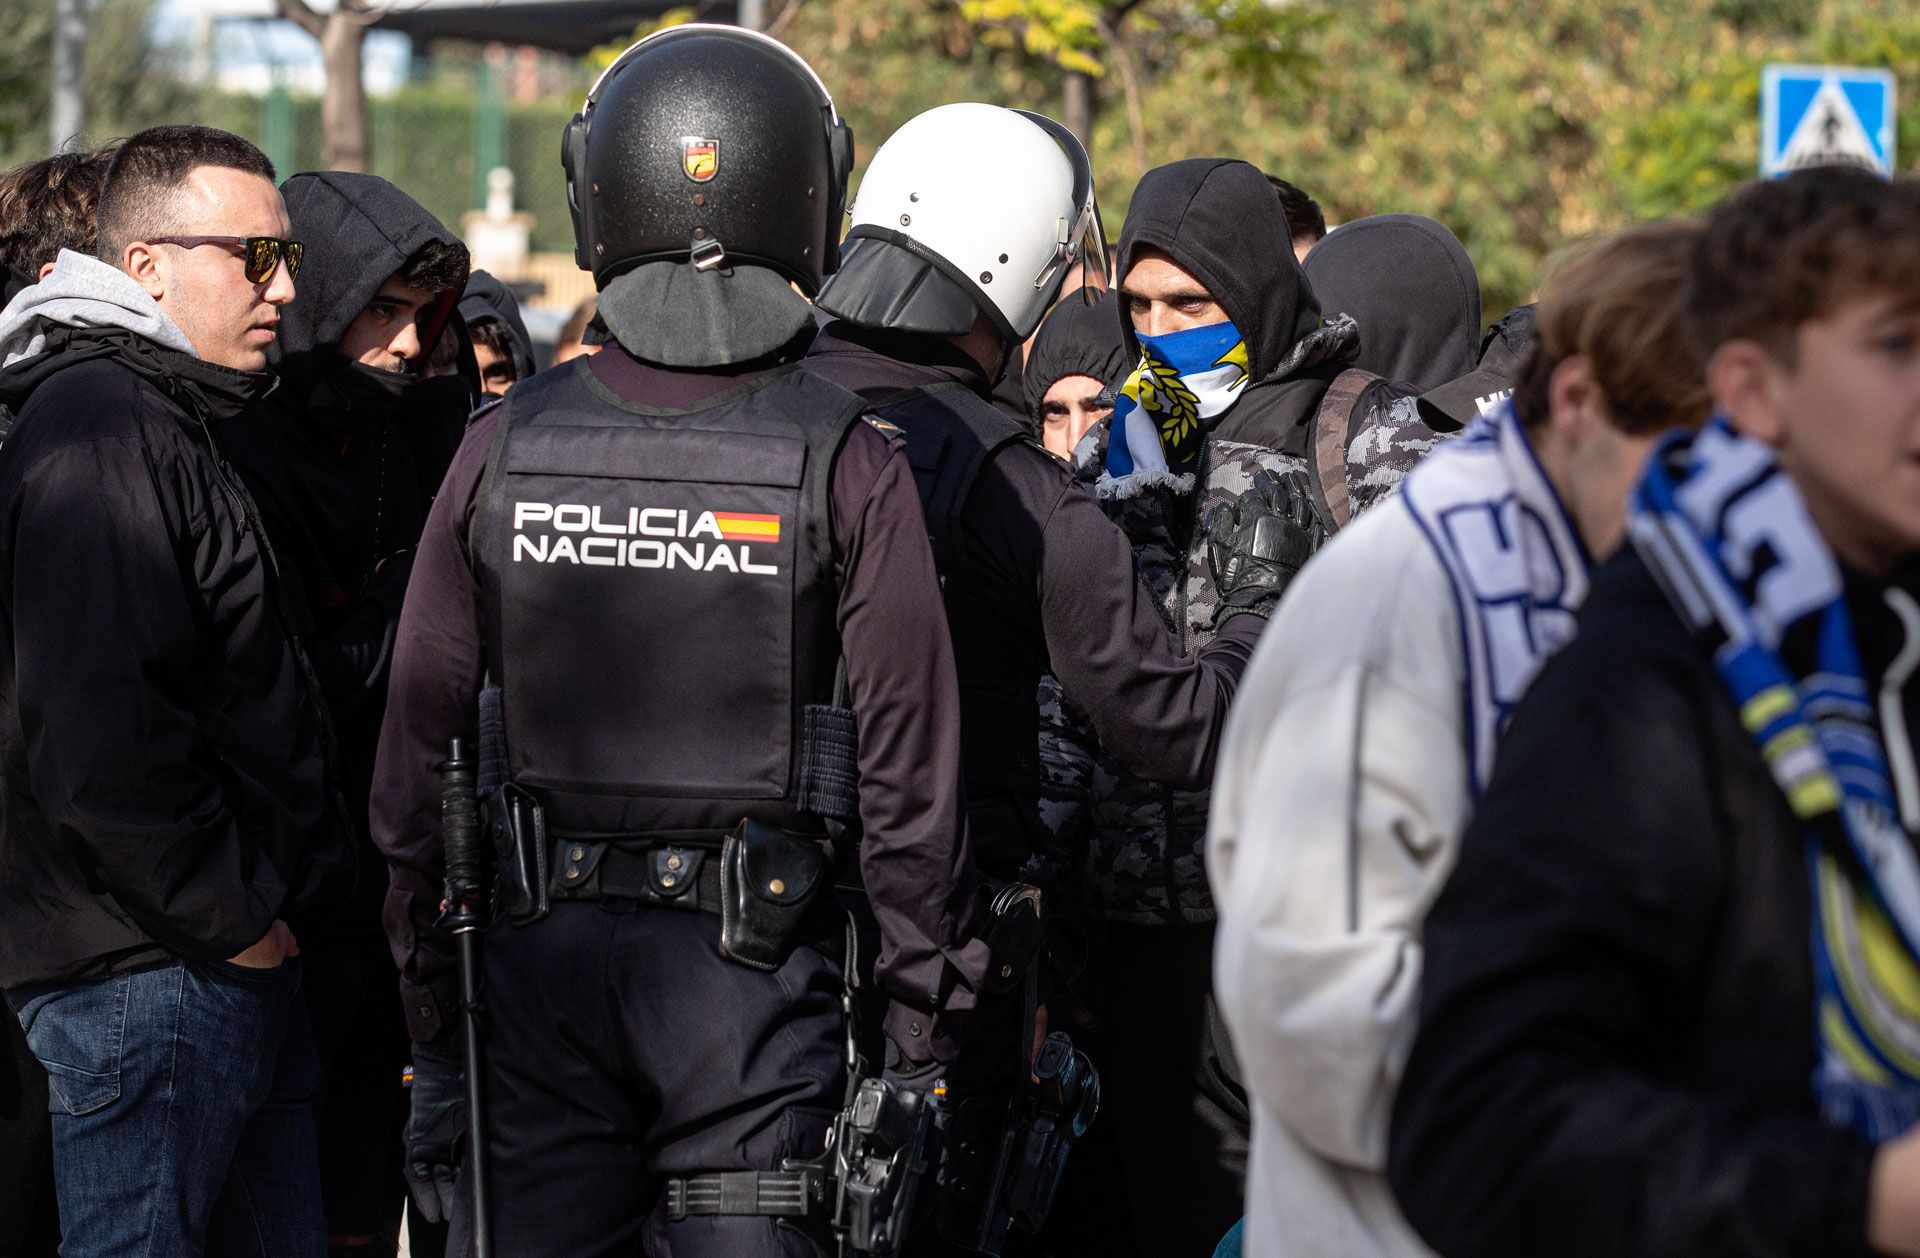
1332,433
826,443
477,538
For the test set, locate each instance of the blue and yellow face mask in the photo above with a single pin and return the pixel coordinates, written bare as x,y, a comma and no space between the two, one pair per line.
1184,380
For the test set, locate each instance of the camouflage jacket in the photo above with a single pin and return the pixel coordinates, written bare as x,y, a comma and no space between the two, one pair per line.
1144,841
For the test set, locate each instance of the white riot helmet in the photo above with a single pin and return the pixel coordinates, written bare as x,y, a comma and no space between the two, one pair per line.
967,209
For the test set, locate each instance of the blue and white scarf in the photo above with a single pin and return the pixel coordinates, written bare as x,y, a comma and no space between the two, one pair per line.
1184,379
1728,536
1516,564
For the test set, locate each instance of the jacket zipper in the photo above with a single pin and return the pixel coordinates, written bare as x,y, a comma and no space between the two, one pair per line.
1168,869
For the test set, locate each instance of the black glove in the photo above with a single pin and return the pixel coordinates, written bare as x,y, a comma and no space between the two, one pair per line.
1257,543
435,1128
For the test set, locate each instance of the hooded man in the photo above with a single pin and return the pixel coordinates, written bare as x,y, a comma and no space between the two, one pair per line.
169,825
1243,416
1412,289
502,350
1076,359
344,460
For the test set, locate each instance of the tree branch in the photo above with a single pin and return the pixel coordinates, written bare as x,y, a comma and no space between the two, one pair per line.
1123,63
786,15
297,12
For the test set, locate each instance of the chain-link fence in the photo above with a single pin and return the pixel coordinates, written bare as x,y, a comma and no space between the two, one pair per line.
437,139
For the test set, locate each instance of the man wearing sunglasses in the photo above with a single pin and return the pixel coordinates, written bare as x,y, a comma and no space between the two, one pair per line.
343,460
169,831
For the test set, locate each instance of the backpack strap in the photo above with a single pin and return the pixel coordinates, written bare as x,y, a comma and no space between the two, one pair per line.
1331,432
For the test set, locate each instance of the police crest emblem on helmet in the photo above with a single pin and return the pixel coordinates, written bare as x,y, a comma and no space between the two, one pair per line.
699,157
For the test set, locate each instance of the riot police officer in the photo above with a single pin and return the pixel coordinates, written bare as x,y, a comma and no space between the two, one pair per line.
676,573
968,222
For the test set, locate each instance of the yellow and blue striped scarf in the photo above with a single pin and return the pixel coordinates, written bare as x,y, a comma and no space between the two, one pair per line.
1728,536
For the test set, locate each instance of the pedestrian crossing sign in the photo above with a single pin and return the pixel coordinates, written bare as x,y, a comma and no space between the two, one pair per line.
1825,116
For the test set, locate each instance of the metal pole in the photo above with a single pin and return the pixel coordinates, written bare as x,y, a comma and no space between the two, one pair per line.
753,14
69,104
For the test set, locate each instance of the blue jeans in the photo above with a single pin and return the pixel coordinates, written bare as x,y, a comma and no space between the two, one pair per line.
182,1103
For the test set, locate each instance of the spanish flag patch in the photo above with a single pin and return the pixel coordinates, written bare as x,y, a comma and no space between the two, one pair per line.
738,526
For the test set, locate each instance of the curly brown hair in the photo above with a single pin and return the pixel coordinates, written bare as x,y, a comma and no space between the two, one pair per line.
49,205
1780,253
1618,301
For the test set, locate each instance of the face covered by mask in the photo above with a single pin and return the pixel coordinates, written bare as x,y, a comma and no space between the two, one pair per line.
369,391
1184,380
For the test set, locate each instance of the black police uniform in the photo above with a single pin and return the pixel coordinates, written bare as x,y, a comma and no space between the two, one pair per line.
660,561
1036,579
656,681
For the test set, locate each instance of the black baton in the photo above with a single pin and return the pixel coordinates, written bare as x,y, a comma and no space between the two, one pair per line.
466,916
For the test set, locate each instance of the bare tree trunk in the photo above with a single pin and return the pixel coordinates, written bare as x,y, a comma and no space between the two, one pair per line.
1129,72
68,115
1076,105
343,110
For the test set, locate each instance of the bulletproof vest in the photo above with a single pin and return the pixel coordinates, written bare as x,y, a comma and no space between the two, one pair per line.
661,602
951,435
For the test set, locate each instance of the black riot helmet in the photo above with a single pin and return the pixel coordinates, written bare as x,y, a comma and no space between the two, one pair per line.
708,144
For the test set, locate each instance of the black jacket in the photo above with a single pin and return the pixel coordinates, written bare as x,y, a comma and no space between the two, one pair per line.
1617,1049
166,791
344,462
1048,584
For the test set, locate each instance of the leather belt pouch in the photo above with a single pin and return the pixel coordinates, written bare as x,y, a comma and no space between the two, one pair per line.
519,832
768,878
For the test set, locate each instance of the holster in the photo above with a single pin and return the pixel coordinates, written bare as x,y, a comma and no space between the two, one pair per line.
518,829
768,881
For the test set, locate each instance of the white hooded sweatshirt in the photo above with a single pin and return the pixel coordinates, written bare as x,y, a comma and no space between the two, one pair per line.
1338,804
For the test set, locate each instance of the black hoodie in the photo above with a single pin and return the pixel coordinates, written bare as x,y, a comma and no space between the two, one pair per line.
1220,220
344,460
1410,286
1076,339
487,298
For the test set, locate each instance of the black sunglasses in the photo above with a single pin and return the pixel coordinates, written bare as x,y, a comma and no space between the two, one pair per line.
262,253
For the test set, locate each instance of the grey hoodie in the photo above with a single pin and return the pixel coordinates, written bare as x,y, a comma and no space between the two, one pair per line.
83,292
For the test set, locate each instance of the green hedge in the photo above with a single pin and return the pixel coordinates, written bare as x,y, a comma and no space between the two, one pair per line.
425,139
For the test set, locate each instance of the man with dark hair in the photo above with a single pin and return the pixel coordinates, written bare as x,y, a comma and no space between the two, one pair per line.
344,460
1304,218
1667,1005
502,350
1074,363
47,206
169,825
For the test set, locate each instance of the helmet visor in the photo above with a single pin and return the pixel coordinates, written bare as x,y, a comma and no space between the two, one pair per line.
1086,238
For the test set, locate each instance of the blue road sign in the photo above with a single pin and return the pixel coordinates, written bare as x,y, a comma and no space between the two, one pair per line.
1825,115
